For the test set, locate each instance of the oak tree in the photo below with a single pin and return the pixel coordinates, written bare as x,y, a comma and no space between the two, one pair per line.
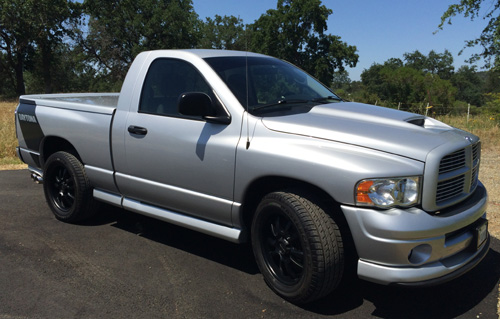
296,31
489,39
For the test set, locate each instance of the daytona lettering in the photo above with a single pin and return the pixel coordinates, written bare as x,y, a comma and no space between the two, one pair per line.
27,118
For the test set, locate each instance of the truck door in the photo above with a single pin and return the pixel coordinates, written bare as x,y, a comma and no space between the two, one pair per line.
173,161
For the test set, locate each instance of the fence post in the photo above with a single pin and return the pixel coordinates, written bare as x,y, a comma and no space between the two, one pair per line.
427,109
468,112
399,105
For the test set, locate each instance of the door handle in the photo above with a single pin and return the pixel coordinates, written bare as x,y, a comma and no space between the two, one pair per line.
137,130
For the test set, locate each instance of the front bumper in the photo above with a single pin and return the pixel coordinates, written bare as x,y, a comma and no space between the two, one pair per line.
412,247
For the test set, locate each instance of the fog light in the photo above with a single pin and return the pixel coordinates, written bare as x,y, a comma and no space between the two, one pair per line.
420,254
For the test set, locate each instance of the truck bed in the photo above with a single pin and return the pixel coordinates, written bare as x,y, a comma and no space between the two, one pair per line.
88,102
82,120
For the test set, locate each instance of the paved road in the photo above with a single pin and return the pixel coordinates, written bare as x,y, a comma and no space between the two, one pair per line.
123,265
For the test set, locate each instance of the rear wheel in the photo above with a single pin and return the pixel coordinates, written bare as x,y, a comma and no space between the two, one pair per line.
297,246
67,189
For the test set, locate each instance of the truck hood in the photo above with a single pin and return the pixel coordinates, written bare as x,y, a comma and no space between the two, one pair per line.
388,130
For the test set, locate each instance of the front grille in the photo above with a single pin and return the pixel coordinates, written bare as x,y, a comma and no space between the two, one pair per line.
475,152
450,188
458,174
452,161
475,175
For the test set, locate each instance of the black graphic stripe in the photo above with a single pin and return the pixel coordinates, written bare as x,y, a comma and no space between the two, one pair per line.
30,128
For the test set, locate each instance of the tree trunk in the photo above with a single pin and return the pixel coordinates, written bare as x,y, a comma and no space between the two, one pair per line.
46,66
20,88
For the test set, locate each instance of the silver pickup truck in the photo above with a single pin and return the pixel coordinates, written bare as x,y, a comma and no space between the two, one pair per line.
247,147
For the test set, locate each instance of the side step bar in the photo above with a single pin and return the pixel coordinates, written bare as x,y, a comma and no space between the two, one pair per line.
231,234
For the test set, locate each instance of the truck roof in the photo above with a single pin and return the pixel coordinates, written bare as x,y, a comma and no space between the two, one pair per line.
211,53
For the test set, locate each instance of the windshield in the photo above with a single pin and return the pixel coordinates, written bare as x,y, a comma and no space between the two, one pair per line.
273,85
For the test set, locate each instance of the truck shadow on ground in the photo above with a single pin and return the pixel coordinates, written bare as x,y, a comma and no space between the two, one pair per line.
232,255
449,300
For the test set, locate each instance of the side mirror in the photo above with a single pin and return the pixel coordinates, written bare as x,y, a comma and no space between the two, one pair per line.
200,104
195,104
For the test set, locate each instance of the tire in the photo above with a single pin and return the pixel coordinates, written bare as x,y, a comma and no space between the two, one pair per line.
67,189
297,246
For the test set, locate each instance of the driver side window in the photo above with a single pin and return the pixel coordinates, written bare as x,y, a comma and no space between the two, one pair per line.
166,80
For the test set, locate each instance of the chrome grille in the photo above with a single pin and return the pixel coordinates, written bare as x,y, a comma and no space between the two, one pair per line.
458,174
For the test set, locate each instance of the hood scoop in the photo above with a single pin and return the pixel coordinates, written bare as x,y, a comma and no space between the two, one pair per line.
419,121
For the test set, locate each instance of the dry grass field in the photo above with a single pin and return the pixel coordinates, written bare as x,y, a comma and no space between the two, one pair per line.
485,127
8,142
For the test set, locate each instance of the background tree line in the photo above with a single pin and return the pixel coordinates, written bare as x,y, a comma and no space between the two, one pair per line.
416,80
67,46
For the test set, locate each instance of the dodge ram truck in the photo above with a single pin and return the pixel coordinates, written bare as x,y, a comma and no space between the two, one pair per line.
250,148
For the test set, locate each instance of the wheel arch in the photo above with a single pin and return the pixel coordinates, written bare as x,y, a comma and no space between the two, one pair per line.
53,144
265,185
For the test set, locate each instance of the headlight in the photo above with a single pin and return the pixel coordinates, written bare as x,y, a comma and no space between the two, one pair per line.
388,192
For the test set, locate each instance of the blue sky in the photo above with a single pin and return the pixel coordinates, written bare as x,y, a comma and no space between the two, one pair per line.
380,29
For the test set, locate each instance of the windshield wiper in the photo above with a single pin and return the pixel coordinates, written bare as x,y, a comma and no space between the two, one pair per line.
283,102
280,102
326,98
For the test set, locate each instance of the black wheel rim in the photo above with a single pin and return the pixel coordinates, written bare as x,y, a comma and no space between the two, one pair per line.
281,248
62,188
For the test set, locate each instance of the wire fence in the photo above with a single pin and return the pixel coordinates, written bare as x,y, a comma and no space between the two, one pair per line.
433,110
428,109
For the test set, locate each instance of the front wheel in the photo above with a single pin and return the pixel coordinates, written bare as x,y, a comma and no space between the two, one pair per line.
297,246
67,189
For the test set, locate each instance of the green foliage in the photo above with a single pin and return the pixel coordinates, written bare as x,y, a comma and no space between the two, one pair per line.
416,60
428,80
407,85
64,45
67,46
461,107
50,24
16,34
469,85
121,29
394,63
403,84
493,104
72,74
226,33
295,32
340,80
489,39
435,63
30,32
492,81
440,64
7,80
418,81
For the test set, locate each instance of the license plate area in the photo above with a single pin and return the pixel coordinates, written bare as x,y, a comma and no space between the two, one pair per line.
481,233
